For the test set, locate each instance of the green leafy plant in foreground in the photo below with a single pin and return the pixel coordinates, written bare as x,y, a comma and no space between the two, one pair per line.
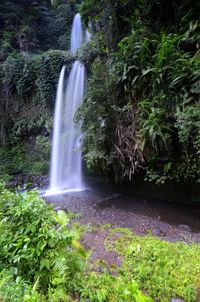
42,260
36,249
107,287
163,269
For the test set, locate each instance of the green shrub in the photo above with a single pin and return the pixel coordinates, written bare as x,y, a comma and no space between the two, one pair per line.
32,158
39,157
12,160
34,76
36,249
105,287
41,259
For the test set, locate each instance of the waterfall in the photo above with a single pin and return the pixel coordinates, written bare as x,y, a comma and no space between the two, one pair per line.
76,35
57,132
65,170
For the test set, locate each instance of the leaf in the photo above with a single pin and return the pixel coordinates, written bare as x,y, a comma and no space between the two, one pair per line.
45,263
145,72
62,218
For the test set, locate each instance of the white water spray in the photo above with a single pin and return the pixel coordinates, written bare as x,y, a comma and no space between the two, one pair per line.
65,171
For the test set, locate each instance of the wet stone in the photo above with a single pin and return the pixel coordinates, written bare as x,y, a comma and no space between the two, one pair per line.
184,227
60,208
177,300
157,232
137,219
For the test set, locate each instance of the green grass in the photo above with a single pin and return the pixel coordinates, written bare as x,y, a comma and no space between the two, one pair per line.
163,269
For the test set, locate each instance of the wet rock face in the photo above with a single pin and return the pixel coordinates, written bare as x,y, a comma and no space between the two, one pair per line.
177,300
184,227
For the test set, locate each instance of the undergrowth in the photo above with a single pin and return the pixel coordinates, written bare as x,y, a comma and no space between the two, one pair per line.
42,260
163,269
37,259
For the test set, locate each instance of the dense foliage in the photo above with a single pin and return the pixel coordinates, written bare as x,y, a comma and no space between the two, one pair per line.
29,83
36,253
32,52
33,48
140,113
42,260
46,26
141,110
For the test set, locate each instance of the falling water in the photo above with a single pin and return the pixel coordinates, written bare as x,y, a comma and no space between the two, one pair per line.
76,35
87,36
65,172
57,132
88,33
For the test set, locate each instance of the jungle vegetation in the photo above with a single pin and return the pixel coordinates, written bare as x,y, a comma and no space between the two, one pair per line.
42,260
141,110
141,119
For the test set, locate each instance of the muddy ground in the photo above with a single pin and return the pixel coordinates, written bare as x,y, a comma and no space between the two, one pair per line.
171,222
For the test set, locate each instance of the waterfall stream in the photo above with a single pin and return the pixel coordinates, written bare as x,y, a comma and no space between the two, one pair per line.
65,169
